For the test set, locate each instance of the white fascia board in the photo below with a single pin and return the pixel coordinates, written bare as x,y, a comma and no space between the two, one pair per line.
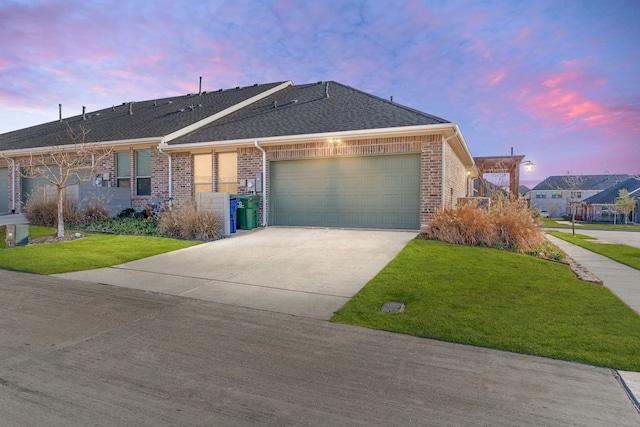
470,163
71,147
290,139
197,125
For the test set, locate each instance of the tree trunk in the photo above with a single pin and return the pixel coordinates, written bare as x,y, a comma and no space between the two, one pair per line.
60,212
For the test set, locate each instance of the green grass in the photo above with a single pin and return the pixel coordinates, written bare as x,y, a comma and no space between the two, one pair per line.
498,299
552,223
622,253
93,251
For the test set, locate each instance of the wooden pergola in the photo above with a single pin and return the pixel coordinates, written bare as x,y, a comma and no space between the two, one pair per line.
499,164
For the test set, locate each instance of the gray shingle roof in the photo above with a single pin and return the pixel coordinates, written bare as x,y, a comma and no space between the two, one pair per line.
305,109
610,195
582,182
152,118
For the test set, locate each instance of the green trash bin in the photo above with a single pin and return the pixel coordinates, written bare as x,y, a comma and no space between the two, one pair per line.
248,207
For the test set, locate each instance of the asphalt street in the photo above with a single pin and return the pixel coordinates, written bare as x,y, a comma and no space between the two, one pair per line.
75,354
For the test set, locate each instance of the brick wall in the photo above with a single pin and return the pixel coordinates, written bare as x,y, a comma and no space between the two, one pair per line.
455,178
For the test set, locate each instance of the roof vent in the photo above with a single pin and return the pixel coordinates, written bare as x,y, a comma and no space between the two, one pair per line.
155,103
60,111
130,108
200,90
326,90
84,117
238,87
391,98
113,108
255,84
275,104
97,114
170,102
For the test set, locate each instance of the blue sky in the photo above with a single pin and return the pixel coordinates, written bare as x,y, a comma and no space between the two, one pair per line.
557,80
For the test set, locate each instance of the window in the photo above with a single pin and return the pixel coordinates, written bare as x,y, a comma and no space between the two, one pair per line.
143,172
541,195
556,195
576,194
228,172
202,173
123,169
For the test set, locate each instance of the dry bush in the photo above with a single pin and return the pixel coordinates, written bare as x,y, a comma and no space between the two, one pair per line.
514,224
44,212
186,222
466,225
95,213
508,225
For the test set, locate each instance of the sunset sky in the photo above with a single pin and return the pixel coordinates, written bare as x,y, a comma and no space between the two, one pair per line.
557,80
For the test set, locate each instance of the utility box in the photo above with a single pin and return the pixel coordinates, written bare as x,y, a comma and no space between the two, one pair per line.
17,235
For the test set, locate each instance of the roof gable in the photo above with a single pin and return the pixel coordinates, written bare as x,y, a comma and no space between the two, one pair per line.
148,119
609,196
307,109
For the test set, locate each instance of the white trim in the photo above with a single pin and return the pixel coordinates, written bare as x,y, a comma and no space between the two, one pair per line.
41,150
451,128
197,125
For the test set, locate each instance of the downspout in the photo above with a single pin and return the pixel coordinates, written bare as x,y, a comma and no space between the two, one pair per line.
264,183
444,144
170,170
13,186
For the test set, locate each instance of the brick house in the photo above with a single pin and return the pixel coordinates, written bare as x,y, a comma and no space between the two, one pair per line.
327,154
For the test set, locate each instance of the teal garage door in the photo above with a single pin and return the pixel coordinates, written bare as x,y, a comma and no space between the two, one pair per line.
4,190
358,192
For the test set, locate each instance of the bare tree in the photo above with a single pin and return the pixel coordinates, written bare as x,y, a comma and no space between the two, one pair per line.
573,183
64,165
625,204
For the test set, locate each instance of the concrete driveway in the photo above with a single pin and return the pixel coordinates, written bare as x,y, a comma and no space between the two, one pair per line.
309,272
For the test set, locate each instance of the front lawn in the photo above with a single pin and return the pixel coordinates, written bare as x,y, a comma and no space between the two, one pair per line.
622,253
92,251
498,299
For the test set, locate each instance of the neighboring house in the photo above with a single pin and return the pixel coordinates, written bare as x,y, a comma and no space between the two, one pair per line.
556,194
523,190
321,154
601,207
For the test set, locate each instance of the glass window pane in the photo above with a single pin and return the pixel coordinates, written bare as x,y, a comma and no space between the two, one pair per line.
204,188
227,167
228,188
124,163
202,168
124,183
143,163
143,186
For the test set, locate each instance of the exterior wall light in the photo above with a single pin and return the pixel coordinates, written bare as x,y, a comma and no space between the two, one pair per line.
528,166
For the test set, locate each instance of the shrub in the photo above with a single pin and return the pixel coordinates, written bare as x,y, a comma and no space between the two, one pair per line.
466,225
129,225
95,212
185,221
508,225
514,224
44,212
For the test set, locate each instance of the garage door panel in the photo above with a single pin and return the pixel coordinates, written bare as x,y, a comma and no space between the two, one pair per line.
375,191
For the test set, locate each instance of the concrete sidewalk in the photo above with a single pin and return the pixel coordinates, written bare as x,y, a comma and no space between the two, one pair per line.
622,280
309,272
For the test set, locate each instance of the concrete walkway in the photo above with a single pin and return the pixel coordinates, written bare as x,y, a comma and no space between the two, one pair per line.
309,272
622,280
